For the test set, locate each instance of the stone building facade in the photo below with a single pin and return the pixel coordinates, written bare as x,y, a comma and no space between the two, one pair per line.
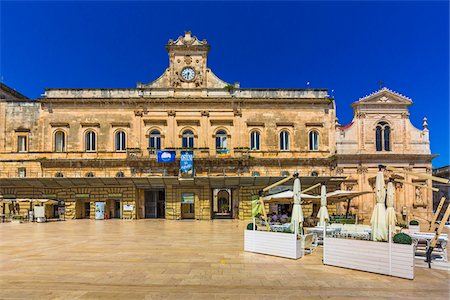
88,145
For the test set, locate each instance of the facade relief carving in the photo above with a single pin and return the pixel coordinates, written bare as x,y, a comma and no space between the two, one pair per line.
419,200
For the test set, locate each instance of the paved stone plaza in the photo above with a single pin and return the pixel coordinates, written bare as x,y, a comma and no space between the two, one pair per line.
160,259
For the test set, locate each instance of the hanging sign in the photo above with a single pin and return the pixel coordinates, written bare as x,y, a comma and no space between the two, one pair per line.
223,153
166,156
128,207
187,162
187,198
99,210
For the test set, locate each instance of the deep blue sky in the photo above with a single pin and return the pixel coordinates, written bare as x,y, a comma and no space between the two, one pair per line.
345,46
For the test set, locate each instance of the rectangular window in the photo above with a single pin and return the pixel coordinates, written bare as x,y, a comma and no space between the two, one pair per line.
22,172
22,143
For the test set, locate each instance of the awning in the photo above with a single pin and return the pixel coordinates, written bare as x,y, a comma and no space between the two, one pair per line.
45,201
332,182
285,197
332,197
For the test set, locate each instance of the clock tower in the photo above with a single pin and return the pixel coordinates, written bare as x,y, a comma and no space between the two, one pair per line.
187,66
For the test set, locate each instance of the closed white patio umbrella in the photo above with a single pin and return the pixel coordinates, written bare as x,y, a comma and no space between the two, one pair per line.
323,211
378,220
297,212
391,218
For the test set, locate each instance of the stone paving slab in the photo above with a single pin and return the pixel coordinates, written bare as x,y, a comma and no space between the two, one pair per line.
162,259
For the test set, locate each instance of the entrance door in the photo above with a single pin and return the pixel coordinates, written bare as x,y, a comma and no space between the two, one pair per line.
117,210
187,206
154,204
187,210
87,210
222,204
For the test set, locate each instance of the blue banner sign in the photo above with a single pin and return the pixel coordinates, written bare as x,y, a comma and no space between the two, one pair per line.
187,162
166,156
187,198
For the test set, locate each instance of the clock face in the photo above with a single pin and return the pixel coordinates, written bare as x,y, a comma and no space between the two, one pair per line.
188,74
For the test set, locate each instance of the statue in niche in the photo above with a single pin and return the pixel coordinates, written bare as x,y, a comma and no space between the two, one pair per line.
419,198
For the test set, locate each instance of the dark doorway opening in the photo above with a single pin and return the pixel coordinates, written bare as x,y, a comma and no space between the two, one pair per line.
155,204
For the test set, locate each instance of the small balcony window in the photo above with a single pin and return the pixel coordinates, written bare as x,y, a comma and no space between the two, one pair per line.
22,143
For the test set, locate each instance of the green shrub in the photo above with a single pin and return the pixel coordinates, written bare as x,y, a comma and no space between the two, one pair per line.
344,221
250,226
413,222
17,217
402,238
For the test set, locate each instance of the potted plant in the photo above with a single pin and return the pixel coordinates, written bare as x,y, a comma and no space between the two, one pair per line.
414,226
402,238
17,219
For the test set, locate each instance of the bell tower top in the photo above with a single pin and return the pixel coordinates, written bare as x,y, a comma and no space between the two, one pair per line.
187,43
187,65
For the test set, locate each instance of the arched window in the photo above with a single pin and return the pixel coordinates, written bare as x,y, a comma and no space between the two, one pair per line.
284,140
121,141
221,139
91,141
255,140
313,141
387,138
187,139
155,140
60,141
383,137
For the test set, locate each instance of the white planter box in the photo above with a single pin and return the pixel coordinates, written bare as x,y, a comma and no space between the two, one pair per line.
414,228
377,257
273,243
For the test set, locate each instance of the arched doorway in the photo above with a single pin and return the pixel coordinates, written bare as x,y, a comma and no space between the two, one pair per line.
222,205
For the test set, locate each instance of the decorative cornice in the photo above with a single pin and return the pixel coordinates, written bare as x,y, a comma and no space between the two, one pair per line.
87,124
120,124
384,89
59,124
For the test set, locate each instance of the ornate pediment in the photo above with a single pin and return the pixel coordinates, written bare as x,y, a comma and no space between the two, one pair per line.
188,40
384,96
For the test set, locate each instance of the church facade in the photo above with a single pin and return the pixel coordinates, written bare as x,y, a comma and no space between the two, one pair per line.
190,145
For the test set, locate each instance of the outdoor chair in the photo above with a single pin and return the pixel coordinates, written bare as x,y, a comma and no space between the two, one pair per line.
309,242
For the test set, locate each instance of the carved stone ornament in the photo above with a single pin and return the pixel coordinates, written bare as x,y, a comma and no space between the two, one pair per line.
176,80
339,170
138,113
361,170
361,115
199,80
205,113
398,185
237,112
384,99
187,60
171,113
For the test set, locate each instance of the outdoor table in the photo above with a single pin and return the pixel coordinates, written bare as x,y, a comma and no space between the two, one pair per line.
280,227
429,236
318,230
